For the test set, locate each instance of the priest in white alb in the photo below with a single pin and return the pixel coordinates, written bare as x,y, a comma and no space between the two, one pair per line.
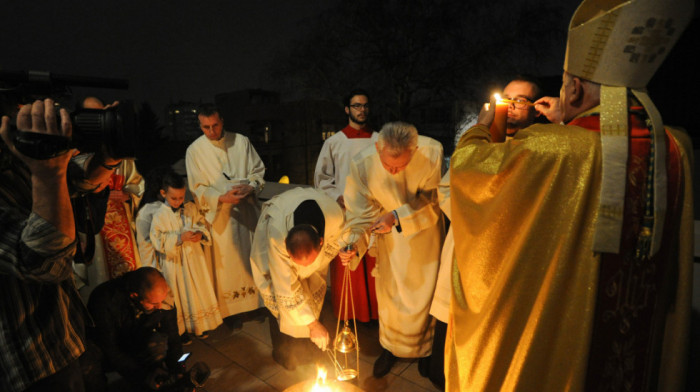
225,173
391,200
296,238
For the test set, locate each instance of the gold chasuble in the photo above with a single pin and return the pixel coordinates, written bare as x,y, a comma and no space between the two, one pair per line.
526,279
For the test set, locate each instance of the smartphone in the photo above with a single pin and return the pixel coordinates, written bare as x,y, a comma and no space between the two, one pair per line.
183,358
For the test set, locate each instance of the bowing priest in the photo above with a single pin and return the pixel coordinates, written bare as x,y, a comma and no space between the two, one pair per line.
295,240
584,284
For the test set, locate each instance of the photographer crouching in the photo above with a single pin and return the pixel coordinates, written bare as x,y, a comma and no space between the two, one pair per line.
42,318
136,334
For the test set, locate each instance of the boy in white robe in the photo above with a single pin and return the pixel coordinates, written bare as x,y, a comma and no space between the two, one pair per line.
177,235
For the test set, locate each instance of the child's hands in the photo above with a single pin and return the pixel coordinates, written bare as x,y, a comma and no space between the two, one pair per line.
192,236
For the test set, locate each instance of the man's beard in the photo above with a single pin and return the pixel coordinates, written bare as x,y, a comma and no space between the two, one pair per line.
356,120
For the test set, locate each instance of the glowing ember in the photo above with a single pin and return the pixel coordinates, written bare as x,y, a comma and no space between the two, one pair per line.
320,385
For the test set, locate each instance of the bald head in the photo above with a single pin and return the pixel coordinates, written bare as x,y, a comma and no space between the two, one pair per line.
148,286
93,103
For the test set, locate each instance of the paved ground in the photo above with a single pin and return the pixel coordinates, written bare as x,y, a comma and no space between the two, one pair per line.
241,360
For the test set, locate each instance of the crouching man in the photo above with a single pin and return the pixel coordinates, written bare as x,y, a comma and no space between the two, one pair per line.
135,332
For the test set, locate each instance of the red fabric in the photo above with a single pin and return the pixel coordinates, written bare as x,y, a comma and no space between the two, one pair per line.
628,325
116,233
363,290
352,133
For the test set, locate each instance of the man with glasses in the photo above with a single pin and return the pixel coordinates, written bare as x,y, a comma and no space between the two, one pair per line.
332,167
391,200
521,93
586,283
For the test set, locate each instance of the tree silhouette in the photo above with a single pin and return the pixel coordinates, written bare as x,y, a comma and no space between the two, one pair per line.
149,127
410,53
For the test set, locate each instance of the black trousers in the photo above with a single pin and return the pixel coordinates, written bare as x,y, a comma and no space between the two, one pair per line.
68,379
289,351
436,374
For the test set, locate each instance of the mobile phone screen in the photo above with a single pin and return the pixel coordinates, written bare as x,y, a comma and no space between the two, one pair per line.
183,357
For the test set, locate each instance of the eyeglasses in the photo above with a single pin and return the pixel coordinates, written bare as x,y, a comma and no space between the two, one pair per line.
358,106
519,103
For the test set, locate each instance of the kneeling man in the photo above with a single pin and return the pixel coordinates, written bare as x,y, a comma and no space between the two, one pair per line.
295,240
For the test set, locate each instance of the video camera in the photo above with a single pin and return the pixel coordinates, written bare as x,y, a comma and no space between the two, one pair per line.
114,128
184,381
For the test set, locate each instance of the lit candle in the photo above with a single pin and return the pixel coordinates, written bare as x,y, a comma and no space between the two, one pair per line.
498,126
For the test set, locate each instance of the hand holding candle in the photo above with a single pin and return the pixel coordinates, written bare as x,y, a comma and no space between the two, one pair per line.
498,126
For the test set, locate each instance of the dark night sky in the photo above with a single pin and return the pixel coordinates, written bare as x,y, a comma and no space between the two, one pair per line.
168,50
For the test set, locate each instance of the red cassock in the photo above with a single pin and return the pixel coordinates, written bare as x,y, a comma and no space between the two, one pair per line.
364,294
363,291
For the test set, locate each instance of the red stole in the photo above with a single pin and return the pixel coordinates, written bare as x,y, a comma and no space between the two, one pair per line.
116,233
633,294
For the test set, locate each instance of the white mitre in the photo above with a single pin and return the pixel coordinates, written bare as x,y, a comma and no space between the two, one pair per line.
620,45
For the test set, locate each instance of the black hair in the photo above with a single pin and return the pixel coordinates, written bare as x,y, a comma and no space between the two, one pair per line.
208,110
153,183
535,81
301,240
357,91
172,180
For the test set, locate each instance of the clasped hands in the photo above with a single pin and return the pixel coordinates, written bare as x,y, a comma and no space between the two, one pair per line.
191,236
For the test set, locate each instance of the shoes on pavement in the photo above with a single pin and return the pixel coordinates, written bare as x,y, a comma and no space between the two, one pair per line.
424,366
383,364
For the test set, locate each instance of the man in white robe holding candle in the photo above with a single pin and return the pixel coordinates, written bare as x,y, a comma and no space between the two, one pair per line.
391,200
225,173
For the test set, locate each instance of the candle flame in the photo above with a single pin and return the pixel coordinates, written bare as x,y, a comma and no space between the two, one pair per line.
320,385
497,96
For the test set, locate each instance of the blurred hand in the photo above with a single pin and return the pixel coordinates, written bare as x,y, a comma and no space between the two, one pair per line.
242,190
191,236
232,197
549,107
487,113
346,255
40,117
319,335
384,224
341,201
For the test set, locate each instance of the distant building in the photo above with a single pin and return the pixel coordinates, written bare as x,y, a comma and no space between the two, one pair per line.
182,123
288,136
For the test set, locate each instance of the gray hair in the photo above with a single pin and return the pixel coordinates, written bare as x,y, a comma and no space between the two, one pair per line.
398,137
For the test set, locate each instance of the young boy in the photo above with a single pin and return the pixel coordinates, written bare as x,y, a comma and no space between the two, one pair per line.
177,235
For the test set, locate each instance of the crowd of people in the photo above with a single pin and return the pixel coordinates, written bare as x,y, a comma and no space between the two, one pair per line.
566,266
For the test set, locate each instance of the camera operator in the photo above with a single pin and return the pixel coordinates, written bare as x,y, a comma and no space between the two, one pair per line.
135,332
42,318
